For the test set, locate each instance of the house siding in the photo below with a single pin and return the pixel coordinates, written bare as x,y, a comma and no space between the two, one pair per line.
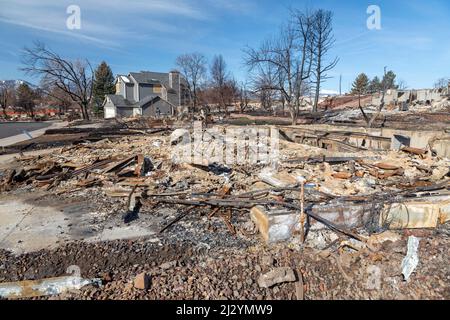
130,93
173,98
125,112
151,109
121,87
145,91
110,109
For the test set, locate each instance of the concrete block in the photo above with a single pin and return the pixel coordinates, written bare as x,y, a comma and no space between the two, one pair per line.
346,216
399,141
276,276
278,179
444,216
275,225
416,215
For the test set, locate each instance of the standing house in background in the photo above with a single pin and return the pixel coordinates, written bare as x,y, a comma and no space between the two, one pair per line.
145,93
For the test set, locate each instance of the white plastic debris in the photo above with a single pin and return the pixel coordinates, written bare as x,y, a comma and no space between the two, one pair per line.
300,179
44,287
411,260
179,135
157,143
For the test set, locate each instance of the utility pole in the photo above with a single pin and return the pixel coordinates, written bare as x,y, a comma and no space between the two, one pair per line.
340,85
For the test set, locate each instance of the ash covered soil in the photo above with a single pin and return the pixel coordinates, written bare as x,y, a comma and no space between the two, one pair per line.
201,258
220,265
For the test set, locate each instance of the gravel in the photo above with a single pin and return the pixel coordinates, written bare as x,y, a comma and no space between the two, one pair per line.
181,271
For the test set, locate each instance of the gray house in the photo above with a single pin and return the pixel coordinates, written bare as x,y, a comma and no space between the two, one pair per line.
145,93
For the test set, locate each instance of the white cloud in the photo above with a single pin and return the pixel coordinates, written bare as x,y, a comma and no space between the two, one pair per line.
59,31
108,22
241,6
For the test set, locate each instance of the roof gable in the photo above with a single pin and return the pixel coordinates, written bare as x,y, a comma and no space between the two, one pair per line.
151,78
147,99
148,77
118,100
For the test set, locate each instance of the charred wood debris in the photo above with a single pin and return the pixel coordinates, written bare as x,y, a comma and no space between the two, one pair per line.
133,162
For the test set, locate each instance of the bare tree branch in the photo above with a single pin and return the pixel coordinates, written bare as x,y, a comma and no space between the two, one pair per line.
72,77
193,68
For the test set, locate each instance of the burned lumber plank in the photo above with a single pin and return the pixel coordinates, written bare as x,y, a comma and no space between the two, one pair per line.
69,174
248,204
118,166
333,160
178,218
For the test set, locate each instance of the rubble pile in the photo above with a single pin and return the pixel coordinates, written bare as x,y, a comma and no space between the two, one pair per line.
342,206
179,272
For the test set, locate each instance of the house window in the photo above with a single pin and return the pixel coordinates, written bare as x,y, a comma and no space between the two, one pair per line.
157,89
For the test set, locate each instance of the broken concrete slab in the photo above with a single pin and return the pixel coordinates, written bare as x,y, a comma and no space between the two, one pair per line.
383,237
400,141
278,179
320,239
28,225
439,173
276,276
179,135
168,265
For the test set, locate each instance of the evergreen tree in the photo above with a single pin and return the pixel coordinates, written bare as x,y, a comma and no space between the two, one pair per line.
389,81
103,85
361,85
375,85
25,99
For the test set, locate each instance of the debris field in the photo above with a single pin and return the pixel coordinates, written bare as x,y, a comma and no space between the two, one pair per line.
332,218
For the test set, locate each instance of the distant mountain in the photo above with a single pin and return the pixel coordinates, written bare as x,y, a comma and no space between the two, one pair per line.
16,83
325,92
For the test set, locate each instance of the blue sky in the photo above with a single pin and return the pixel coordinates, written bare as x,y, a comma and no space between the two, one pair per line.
149,35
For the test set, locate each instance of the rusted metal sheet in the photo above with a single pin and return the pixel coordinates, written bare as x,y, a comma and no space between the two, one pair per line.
416,151
342,175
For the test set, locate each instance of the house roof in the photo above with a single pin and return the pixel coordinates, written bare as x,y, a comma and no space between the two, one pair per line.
148,77
123,78
119,101
151,77
146,100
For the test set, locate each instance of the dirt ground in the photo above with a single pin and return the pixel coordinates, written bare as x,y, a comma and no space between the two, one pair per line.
190,271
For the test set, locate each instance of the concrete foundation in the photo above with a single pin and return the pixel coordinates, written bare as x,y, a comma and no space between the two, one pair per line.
416,215
438,139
